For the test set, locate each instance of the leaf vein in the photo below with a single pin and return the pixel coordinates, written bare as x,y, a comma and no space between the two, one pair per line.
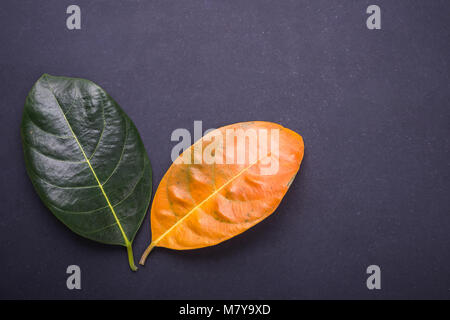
101,135
121,154
134,187
61,187
45,131
51,157
77,212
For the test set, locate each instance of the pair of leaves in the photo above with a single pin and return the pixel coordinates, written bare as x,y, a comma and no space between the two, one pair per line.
89,166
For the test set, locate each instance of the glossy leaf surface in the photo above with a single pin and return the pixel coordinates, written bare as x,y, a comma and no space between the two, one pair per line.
199,203
86,159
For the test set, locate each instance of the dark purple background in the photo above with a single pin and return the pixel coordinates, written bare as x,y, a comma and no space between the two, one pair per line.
372,106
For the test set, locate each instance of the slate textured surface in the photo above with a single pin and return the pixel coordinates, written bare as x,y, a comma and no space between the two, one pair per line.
372,107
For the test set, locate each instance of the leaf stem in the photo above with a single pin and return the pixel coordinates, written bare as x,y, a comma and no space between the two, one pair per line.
146,253
130,257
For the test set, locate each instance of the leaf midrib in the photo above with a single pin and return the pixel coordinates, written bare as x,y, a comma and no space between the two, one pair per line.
154,243
127,242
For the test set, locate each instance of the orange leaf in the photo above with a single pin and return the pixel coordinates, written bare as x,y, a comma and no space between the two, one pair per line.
225,183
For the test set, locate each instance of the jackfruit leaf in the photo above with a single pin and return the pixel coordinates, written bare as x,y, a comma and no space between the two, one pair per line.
225,183
86,160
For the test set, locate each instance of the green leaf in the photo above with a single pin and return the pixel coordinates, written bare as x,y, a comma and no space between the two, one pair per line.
86,160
